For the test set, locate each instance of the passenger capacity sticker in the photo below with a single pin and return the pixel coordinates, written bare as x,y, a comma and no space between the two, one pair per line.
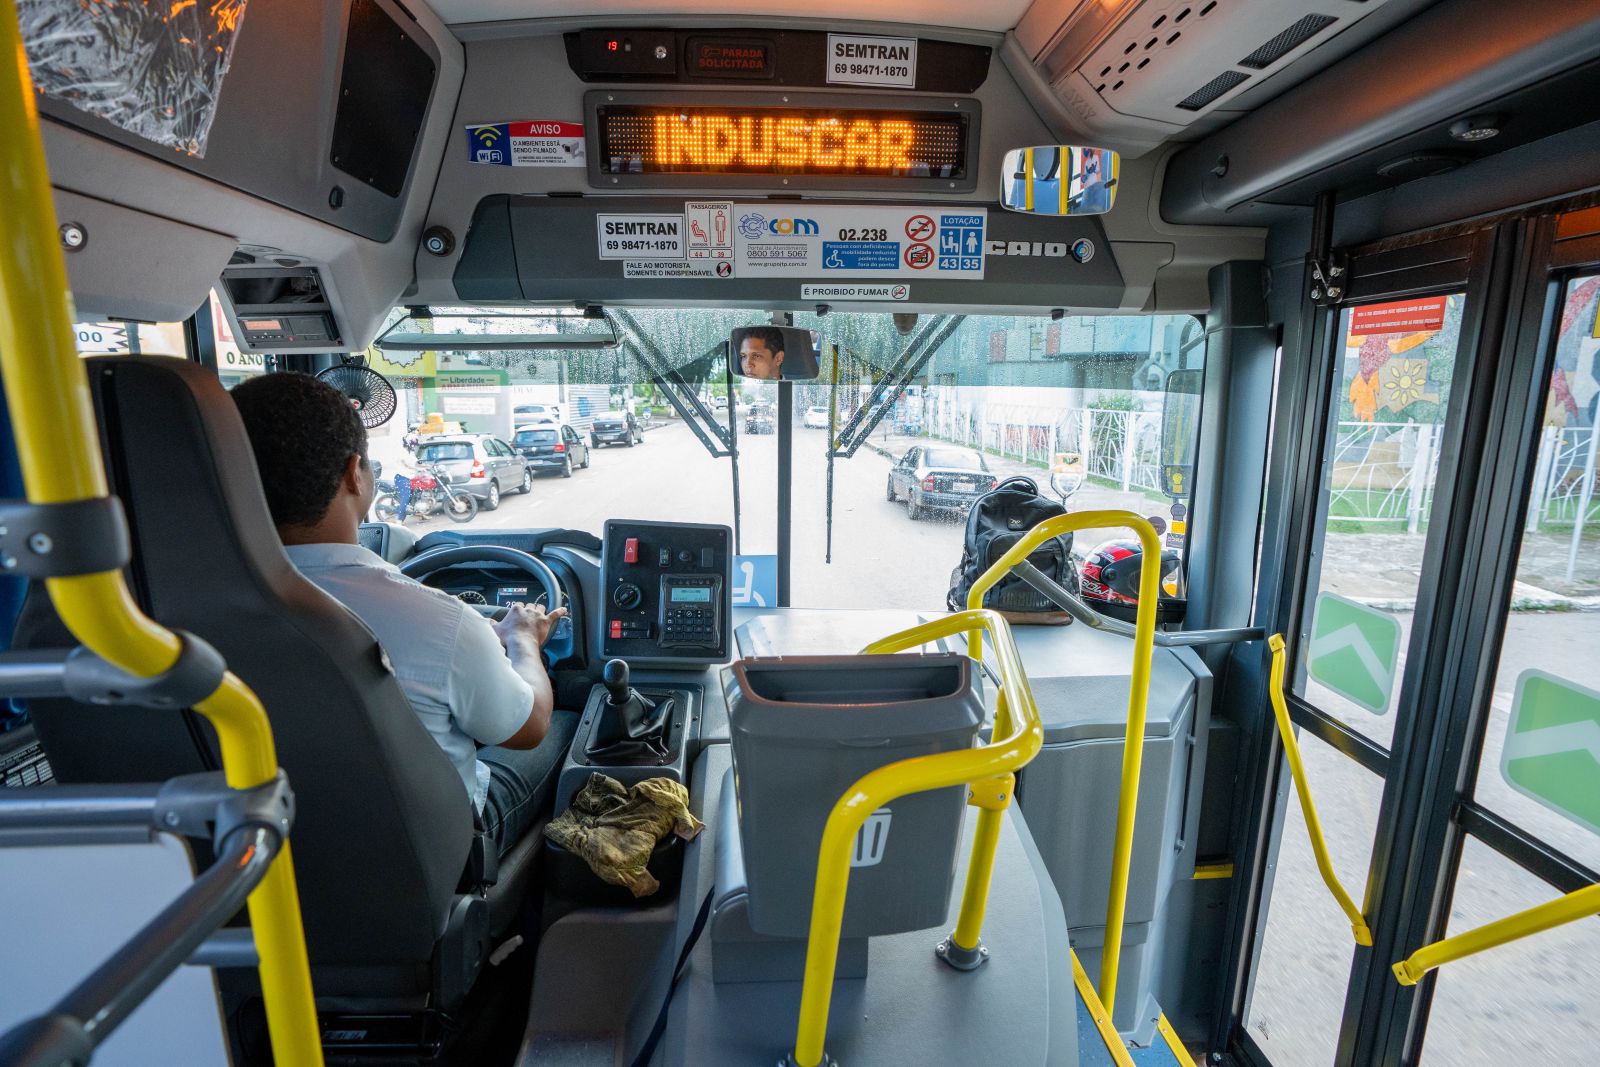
899,291
540,143
641,236
859,242
858,60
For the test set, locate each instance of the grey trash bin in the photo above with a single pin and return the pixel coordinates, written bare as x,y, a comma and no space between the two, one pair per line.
805,728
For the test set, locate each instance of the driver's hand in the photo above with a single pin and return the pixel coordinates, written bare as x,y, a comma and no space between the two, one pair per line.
528,621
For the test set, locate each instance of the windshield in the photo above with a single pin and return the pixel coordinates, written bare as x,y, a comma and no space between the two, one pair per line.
438,453
1004,395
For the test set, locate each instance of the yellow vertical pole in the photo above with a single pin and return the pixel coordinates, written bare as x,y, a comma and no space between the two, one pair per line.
1027,180
52,420
1064,179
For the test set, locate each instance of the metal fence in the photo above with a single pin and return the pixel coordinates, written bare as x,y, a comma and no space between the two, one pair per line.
1122,447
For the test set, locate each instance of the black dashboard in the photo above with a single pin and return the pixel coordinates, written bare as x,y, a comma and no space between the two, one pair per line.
672,593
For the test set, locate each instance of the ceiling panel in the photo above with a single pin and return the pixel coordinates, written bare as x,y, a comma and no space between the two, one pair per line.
995,15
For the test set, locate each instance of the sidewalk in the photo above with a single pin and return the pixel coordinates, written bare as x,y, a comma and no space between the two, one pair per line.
1379,569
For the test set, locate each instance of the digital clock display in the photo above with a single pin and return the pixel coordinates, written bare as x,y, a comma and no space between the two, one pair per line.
640,139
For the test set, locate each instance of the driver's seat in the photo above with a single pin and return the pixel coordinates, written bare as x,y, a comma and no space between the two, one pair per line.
384,829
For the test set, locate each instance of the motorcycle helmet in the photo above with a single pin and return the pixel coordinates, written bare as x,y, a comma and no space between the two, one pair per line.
1109,581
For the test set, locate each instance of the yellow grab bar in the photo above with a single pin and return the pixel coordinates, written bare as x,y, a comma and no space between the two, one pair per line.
1291,749
52,420
1144,640
1020,736
1579,904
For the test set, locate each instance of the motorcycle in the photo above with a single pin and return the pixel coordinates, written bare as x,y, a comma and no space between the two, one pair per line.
422,495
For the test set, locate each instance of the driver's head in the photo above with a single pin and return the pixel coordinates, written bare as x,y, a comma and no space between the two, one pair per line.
311,449
761,353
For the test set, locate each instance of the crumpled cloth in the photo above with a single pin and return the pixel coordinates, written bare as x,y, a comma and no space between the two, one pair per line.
615,828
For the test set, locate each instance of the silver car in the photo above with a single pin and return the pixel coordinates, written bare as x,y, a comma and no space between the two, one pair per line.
483,465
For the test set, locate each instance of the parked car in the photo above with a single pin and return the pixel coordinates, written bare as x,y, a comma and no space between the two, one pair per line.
816,418
761,418
484,465
551,448
525,414
939,477
616,428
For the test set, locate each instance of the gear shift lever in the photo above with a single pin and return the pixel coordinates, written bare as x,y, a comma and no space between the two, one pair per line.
627,715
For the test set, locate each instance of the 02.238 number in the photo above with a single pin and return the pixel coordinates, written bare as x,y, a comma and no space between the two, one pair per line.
863,235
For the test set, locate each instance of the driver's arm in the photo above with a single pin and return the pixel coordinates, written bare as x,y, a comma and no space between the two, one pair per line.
524,631
501,695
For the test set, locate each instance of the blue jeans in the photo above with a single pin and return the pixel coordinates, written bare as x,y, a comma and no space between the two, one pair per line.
521,782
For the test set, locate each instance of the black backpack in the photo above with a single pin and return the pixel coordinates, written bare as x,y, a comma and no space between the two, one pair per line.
998,520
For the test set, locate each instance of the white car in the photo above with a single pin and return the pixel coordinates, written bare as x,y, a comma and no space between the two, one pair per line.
536,413
816,418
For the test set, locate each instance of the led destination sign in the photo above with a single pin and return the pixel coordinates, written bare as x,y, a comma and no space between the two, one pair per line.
806,142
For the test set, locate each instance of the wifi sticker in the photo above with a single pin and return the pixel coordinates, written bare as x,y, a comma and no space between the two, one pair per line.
540,143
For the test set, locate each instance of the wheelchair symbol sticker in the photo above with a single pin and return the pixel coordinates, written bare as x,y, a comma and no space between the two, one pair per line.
755,581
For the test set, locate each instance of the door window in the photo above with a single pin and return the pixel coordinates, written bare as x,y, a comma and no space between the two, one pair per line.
1389,409
1540,766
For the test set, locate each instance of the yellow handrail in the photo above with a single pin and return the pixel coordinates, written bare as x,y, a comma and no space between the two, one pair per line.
1579,904
52,420
1144,640
1291,749
1019,738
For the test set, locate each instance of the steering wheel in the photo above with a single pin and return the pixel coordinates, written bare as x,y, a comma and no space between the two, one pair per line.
419,567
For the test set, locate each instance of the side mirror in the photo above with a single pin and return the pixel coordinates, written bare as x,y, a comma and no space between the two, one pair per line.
771,353
1059,180
1180,422
1067,473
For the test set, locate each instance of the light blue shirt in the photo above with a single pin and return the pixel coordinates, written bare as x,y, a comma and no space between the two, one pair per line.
446,656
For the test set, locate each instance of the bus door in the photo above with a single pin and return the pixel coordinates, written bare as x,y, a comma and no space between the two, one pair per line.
1441,542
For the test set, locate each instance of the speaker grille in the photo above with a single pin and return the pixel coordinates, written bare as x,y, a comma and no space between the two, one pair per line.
1212,90
1287,41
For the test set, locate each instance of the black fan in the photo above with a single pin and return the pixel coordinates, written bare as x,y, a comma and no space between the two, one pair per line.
370,392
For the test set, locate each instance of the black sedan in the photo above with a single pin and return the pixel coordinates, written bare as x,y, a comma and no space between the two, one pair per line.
549,448
939,478
616,428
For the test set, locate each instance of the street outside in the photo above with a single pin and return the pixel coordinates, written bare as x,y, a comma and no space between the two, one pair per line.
1506,1004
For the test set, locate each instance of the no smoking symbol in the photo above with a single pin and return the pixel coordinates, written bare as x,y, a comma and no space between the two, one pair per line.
919,227
919,257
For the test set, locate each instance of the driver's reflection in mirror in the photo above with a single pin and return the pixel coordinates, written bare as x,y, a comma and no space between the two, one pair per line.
470,683
761,353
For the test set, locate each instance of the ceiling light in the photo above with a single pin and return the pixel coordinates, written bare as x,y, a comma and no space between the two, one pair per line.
1476,128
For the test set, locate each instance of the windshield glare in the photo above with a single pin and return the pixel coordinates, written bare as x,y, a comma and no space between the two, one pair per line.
440,452
1005,395
948,457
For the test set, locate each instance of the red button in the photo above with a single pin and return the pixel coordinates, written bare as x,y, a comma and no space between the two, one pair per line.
616,627
630,550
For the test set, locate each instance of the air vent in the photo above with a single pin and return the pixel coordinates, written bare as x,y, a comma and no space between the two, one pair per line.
1287,41
1212,90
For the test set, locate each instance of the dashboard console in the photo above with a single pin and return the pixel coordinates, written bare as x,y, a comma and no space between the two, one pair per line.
666,598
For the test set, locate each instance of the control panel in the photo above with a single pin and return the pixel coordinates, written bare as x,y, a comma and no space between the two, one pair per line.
666,593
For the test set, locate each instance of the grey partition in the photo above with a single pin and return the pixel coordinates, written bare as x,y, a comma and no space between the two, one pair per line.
1080,679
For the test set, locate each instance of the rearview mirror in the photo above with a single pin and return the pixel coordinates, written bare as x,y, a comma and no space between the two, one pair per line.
1180,420
1059,180
774,352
